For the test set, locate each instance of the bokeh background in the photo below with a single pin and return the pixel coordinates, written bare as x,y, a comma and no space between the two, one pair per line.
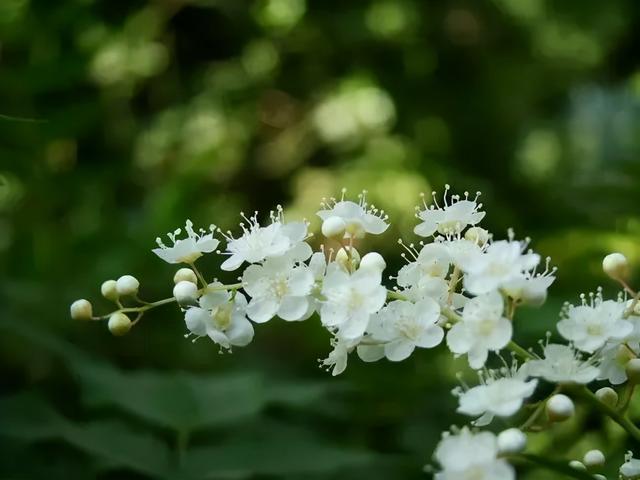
120,119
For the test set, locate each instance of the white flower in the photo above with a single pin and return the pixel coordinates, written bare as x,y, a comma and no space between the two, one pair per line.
482,328
433,260
532,287
337,359
258,243
350,300
562,364
220,319
590,326
359,218
501,264
616,353
450,218
187,250
630,469
278,287
402,326
501,394
471,456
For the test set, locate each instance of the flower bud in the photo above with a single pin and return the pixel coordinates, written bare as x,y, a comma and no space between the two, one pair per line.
633,370
616,266
373,261
186,293
623,355
185,275
334,227
477,235
119,324
511,441
127,285
81,310
560,408
342,258
594,458
599,476
109,290
608,396
577,465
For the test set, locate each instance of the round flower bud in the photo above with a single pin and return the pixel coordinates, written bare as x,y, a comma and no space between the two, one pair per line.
623,355
560,408
334,227
127,285
633,370
185,275
109,290
119,324
608,396
599,476
577,465
616,266
186,293
373,261
594,458
81,310
510,441
477,235
342,258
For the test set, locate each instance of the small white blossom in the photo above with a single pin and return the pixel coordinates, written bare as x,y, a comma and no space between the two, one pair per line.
590,326
483,328
501,394
562,364
221,318
358,218
350,300
258,243
402,326
336,361
189,249
466,455
500,265
278,287
433,260
450,218
630,469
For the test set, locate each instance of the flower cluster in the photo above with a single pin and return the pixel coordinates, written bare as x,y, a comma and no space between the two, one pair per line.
459,287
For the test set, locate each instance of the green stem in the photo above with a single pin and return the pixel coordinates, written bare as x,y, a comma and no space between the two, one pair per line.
182,442
538,411
393,295
165,301
199,275
520,351
626,396
612,413
553,465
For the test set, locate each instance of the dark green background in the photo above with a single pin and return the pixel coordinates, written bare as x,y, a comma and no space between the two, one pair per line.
120,119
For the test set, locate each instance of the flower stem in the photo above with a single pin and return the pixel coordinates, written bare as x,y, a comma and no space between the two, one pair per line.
612,413
553,465
198,274
519,351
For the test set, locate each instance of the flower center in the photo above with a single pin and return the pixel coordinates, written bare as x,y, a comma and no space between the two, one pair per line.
222,317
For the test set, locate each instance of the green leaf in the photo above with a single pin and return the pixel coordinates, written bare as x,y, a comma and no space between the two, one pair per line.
272,449
28,418
185,402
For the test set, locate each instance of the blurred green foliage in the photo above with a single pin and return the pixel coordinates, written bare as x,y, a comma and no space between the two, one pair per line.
119,119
